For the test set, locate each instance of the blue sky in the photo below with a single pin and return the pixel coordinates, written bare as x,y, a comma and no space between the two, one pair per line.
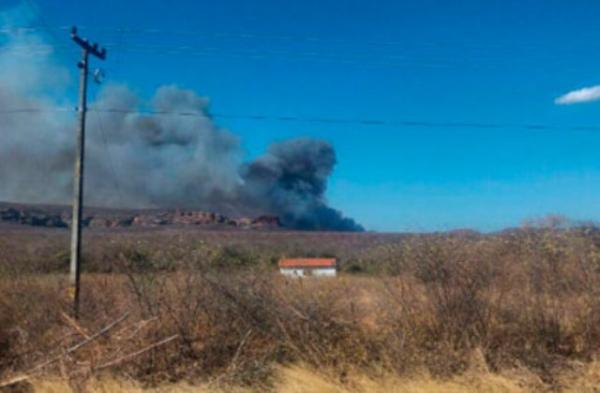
492,62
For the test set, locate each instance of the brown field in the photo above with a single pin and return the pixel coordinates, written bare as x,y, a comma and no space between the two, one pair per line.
192,310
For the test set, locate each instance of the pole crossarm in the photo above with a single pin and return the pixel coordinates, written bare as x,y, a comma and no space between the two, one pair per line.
86,45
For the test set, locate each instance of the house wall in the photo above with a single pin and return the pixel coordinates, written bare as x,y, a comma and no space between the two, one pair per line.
300,272
327,272
292,272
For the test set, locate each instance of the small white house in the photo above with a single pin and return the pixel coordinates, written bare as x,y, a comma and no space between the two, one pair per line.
305,267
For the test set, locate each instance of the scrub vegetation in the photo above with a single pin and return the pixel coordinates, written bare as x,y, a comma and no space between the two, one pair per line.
515,311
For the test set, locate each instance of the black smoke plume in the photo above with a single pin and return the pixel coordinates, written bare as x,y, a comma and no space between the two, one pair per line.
290,180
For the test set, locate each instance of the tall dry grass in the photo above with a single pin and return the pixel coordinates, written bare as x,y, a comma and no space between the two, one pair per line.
303,380
517,311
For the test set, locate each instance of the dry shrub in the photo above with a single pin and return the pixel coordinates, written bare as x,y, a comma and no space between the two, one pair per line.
29,313
435,304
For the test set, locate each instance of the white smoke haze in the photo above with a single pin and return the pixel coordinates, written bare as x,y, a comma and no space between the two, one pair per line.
26,138
586,94
144,161
159,161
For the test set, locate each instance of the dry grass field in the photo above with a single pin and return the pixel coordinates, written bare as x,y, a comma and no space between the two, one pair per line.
302,380
167,310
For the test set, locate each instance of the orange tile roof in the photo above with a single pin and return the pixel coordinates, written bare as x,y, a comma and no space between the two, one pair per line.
307,262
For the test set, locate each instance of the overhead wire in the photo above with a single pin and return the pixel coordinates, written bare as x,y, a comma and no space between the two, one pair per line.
8,111
310,55
384,41
324,120
372,44
111,163
202,34
392,62
46,28
107,147
364,122
356,58
365,59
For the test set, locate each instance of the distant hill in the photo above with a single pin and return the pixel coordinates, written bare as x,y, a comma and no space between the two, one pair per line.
52,216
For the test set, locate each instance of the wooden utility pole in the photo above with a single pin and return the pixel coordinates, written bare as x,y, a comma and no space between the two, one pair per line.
75,273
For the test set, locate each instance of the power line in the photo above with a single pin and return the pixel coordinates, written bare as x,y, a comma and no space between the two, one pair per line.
322,120
365,122
45,26
372,45
213,52
110,160
35,110
368,60
221,35
384,41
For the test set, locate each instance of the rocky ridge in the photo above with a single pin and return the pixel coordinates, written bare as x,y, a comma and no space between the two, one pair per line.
60,217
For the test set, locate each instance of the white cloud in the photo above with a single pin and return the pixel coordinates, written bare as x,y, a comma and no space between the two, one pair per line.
587,94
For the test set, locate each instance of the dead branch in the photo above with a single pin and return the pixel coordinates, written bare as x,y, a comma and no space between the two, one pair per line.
74,325
137,353
233,365
72,349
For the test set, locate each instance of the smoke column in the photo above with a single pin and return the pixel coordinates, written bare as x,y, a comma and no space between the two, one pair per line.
290,180
162,161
